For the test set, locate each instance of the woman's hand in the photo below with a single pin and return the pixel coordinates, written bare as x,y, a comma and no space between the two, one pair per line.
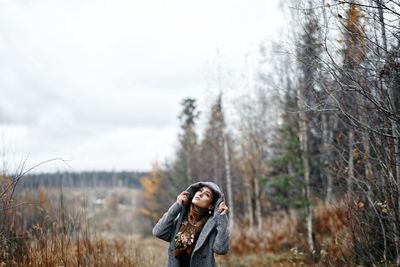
183,198
222,208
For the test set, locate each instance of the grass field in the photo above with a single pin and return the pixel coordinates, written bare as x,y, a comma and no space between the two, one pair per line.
104,227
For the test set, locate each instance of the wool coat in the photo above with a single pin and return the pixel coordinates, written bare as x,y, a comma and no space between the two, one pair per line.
213,238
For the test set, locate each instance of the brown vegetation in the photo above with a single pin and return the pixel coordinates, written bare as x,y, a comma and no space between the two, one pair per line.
284,232
46,234
53,229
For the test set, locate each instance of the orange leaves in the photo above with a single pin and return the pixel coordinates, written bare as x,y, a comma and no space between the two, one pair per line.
151,183
355,39
353,16
151,188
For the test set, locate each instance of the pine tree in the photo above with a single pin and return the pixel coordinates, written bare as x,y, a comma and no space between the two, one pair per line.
188,138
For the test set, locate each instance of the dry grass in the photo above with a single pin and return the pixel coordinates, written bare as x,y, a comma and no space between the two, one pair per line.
47,234
279,232
53,249
70,231
262,260
283,240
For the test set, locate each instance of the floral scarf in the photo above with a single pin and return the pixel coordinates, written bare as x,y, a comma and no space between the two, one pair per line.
190,230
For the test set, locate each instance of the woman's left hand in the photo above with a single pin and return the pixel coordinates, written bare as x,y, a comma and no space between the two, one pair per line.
223,209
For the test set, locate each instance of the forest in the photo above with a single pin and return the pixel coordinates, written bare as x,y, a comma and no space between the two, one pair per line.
314,149
308,158
82,179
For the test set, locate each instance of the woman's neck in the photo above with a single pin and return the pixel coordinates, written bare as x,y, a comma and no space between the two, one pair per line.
197,213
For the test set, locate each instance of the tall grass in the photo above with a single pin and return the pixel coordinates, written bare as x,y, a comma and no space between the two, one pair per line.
51,248
44,232
283,239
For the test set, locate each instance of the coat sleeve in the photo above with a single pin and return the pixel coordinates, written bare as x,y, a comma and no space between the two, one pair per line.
164,227
221,242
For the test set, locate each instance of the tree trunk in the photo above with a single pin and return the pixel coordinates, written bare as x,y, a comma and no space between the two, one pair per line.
350,177
216,170
229,183
303,136
188,168
327,139
257,204
365,141
249,205
395,131
368,165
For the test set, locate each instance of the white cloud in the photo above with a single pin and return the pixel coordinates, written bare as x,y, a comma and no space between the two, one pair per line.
81,77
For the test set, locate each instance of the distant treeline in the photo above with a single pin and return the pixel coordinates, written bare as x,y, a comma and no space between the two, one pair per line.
82,179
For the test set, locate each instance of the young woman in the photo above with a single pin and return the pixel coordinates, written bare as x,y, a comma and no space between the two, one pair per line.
196,226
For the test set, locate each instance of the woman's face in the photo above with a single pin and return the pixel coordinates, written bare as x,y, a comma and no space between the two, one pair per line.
203,198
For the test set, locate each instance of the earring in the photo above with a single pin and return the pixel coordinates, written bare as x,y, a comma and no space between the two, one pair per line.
209,211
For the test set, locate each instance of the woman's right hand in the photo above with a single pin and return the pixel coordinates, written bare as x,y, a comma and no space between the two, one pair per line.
183,198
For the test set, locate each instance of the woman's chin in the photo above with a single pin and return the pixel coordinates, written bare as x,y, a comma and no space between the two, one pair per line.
196,203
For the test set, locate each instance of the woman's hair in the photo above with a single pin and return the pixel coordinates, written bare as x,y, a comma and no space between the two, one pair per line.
215,197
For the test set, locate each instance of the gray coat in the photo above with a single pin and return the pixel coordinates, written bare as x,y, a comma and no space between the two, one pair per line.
214,237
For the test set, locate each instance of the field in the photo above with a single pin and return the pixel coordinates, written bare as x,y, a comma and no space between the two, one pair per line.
104,227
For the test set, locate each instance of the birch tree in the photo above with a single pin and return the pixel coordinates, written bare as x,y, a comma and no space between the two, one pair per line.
308,52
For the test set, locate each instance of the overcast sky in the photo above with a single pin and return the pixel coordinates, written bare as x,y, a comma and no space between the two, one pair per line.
99,82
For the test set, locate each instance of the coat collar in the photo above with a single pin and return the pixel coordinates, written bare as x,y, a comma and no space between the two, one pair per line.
204,233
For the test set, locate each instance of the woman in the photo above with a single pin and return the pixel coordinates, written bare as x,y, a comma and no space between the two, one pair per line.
196,226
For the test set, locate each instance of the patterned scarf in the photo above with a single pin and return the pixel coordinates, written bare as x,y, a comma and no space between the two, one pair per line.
190,229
